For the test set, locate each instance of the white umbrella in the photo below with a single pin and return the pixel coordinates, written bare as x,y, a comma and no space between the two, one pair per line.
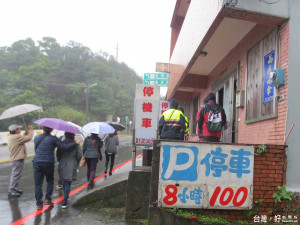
98,128
19,110
79,128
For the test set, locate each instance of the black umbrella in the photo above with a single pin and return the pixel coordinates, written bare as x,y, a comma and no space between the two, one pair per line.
117,126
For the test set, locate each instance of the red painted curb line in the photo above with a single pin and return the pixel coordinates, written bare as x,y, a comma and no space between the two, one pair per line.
58,200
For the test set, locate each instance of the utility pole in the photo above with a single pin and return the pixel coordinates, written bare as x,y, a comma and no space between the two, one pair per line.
87,91
117,52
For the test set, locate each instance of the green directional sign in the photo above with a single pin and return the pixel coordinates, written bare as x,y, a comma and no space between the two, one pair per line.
156,79
156,76
162,83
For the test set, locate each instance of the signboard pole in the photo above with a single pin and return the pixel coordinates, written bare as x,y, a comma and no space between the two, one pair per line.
133,157
133,150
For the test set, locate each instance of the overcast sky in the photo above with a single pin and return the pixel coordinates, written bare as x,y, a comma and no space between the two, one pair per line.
141,28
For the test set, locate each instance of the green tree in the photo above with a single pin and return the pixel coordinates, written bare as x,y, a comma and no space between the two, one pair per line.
56,76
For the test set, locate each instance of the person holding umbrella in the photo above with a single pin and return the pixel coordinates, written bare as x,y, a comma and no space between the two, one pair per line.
111,142
43,164
17,149
92,152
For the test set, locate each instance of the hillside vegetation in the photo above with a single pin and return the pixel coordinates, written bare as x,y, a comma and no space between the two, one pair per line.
54,76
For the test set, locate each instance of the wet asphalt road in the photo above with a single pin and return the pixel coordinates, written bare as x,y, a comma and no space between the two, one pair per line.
13,209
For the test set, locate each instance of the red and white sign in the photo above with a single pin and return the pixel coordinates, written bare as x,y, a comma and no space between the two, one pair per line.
146,114
164,106
198,175
146,111
147,92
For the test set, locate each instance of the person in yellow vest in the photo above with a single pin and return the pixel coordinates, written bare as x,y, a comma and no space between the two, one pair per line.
186,133
172,123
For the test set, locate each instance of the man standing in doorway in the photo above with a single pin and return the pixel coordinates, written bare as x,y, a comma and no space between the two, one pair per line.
18,153
172,123
211,119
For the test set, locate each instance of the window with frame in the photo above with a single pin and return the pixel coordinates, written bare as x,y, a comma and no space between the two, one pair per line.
261,59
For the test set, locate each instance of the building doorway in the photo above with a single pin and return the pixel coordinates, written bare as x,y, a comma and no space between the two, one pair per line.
225,89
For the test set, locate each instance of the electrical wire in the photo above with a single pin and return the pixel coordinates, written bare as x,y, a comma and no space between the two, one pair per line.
270,3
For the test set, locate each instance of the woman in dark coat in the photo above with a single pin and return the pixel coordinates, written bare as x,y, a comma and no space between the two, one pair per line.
92,152
68,165
111,142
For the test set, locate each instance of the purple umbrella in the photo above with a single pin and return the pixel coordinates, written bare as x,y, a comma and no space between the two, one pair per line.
58,124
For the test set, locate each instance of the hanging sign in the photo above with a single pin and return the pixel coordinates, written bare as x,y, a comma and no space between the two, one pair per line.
269,66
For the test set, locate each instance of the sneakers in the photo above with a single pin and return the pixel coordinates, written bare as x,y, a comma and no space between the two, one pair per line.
110,173
59,187
14,194
19,191
64,205
39,207
105,171
48,202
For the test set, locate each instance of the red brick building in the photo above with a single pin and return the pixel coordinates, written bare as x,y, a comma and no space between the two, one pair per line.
229,47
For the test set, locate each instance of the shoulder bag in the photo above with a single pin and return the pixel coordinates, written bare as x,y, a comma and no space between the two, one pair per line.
82,162
97,150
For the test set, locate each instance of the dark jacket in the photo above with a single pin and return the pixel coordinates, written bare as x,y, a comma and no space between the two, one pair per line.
202,117
111,142
44,146
89,150
69,160
172,122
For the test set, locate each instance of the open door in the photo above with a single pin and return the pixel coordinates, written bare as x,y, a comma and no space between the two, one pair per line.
225,96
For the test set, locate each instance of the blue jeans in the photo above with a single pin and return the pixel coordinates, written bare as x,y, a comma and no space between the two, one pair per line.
41,170
66,189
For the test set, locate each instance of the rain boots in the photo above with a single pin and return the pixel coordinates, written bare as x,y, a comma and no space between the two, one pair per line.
91,185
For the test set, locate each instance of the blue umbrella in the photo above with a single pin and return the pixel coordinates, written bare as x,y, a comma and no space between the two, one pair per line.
58,124
98,128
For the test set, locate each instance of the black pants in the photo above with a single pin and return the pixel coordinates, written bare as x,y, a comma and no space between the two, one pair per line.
112,161
210,139
171,138
91,168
